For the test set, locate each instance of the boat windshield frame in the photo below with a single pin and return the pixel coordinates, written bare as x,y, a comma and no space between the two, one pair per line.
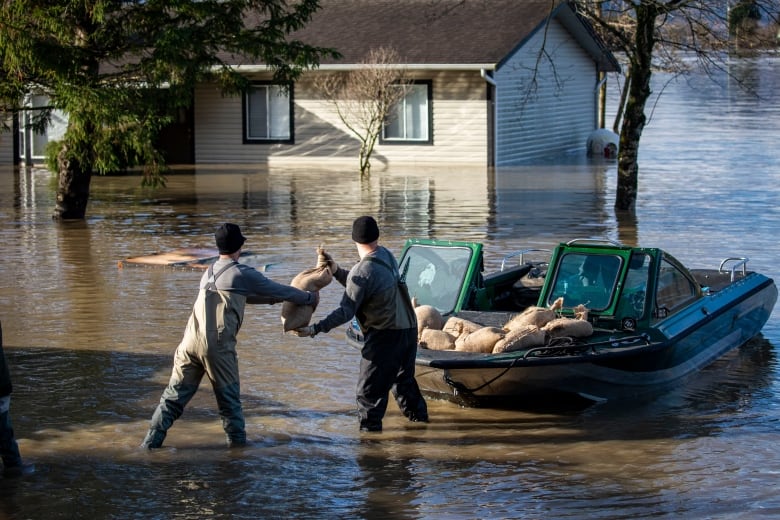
586,278
438,275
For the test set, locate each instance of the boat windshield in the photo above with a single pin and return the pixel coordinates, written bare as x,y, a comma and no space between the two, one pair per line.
586,279
435,274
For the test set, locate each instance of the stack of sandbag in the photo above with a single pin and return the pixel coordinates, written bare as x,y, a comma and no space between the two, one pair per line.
525,330
460,327
429,328
482,340
577,327
428,317
312,279
434,339
469,336
520,338
536,316
533,327
437,334
459,334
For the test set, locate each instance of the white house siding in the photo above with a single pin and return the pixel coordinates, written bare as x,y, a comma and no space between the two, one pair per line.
554,118
6,147
459,128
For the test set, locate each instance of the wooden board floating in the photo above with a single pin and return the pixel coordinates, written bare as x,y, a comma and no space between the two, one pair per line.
189,258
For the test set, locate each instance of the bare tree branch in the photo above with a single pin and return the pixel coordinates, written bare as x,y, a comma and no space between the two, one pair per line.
365,98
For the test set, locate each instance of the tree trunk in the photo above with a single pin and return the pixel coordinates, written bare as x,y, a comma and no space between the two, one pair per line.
72,188
365,161
634,115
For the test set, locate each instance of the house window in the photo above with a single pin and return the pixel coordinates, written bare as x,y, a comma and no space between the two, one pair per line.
410,120
268,113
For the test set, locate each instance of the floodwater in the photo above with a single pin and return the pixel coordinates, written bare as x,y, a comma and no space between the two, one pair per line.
90,344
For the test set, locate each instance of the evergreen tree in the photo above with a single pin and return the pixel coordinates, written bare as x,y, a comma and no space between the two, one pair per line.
119,69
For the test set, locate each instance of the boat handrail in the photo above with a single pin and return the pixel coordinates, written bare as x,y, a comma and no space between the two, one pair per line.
575,241
521,253
741,261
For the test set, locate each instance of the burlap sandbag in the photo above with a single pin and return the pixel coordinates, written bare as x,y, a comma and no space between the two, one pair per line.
536,316
482,340
458,326
569,328
581,312
428,317
520,339
436,340
312,279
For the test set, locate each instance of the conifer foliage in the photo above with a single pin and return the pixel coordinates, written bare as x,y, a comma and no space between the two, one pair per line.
120,69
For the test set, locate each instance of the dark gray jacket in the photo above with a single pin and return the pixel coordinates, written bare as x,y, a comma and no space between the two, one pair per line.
371,294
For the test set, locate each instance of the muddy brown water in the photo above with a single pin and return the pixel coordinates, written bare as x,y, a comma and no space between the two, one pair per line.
90,344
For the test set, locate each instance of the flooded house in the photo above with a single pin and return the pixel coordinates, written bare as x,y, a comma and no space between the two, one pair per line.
497,83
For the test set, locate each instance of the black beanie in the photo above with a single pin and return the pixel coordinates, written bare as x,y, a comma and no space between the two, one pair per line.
229,239
365,230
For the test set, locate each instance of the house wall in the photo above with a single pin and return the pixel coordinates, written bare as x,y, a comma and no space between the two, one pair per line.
6,149
6,141
546,103
459,128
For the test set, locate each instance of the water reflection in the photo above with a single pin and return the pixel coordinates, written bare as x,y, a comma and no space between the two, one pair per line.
90,343
386,479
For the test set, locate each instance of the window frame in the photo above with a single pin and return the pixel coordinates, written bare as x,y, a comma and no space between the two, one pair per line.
429,105
572,283
669,294
245,108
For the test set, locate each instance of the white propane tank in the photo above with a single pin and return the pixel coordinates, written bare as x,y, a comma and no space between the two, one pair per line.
603,143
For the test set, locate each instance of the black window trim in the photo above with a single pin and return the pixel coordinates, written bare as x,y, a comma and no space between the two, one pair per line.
244,107
415,142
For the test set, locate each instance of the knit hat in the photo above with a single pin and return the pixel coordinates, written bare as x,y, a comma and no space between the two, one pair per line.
229,239
365,230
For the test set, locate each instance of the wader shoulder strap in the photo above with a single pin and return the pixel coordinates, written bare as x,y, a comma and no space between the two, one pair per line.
382,262
211,285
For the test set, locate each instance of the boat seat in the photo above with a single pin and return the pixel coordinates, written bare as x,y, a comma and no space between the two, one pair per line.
508,291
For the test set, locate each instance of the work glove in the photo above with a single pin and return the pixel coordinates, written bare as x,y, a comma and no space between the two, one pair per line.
309,330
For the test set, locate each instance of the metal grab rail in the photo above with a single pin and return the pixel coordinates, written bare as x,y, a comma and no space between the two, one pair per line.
741,261
521,253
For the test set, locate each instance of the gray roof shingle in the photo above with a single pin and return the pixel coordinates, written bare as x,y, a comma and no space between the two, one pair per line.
426,31
443,33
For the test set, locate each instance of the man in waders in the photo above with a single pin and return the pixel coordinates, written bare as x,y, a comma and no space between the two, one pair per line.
375,294
209,343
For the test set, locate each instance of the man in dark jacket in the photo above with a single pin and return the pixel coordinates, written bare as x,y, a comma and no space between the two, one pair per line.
9,449
372,293
209,343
